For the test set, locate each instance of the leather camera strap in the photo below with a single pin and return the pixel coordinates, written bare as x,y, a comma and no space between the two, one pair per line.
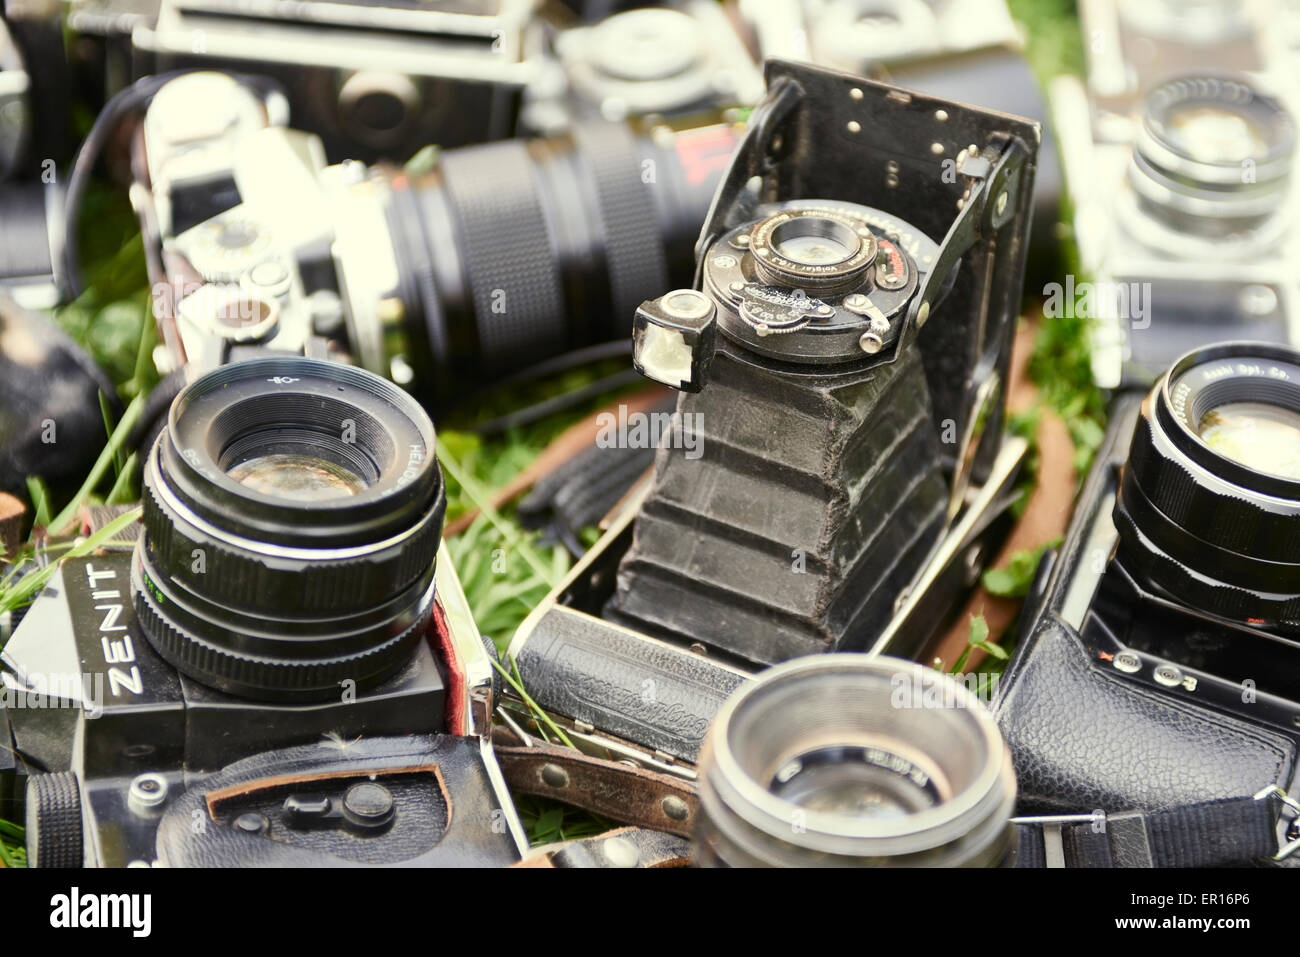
624,847
1212,834
623,792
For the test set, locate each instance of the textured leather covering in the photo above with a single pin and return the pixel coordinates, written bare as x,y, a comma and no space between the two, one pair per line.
447,813
651,692
1082,738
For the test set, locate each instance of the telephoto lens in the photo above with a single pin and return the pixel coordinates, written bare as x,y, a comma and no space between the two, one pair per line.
292,512
1209,505
1210,170
854,760
519,251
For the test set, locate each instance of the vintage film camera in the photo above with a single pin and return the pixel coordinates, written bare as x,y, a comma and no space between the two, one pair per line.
1184,231
1181,179
504,255
1155,668
681,59
281,671
372,80
853,302
1134,47
970,51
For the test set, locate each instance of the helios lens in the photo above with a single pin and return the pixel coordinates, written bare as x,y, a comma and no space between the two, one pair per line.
292,512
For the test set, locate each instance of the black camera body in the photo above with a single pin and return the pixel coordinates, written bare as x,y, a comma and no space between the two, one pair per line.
35,85
279,670
1156,668
128,761
841,362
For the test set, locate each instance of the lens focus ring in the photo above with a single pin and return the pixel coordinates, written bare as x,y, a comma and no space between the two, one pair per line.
1212,514
250,674
283,583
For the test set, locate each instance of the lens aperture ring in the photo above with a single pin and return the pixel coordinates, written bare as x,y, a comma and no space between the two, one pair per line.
1147,561
258,577
290,675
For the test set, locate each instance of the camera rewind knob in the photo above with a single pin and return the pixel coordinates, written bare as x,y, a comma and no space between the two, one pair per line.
54,835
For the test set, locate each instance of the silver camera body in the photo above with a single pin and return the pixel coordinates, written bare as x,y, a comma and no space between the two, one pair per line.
372,80
1181,182
259,242
680,59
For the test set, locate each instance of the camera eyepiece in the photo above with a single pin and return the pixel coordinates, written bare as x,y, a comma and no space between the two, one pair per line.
293,511
853,759
1209,502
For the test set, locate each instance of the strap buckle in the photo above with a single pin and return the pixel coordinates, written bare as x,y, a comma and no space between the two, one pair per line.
1289,804
1053,839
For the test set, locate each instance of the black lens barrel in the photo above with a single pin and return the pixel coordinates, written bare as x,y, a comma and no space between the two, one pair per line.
264,593
1213,532
511,253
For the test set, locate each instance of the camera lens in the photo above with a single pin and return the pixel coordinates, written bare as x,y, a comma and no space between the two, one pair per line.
1209,503
514,252
851,759
814,249
1211,164
293,509
815,242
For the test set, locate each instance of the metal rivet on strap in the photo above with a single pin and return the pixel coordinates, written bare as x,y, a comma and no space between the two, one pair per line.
675,807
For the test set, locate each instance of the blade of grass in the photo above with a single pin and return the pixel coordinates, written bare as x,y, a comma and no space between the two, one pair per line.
510,534
27,587
60,522
533,706
122,492
40,497
108,431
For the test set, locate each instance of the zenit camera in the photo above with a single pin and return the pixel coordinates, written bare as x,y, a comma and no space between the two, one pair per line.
837,468
280,671
1156,669
503,256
